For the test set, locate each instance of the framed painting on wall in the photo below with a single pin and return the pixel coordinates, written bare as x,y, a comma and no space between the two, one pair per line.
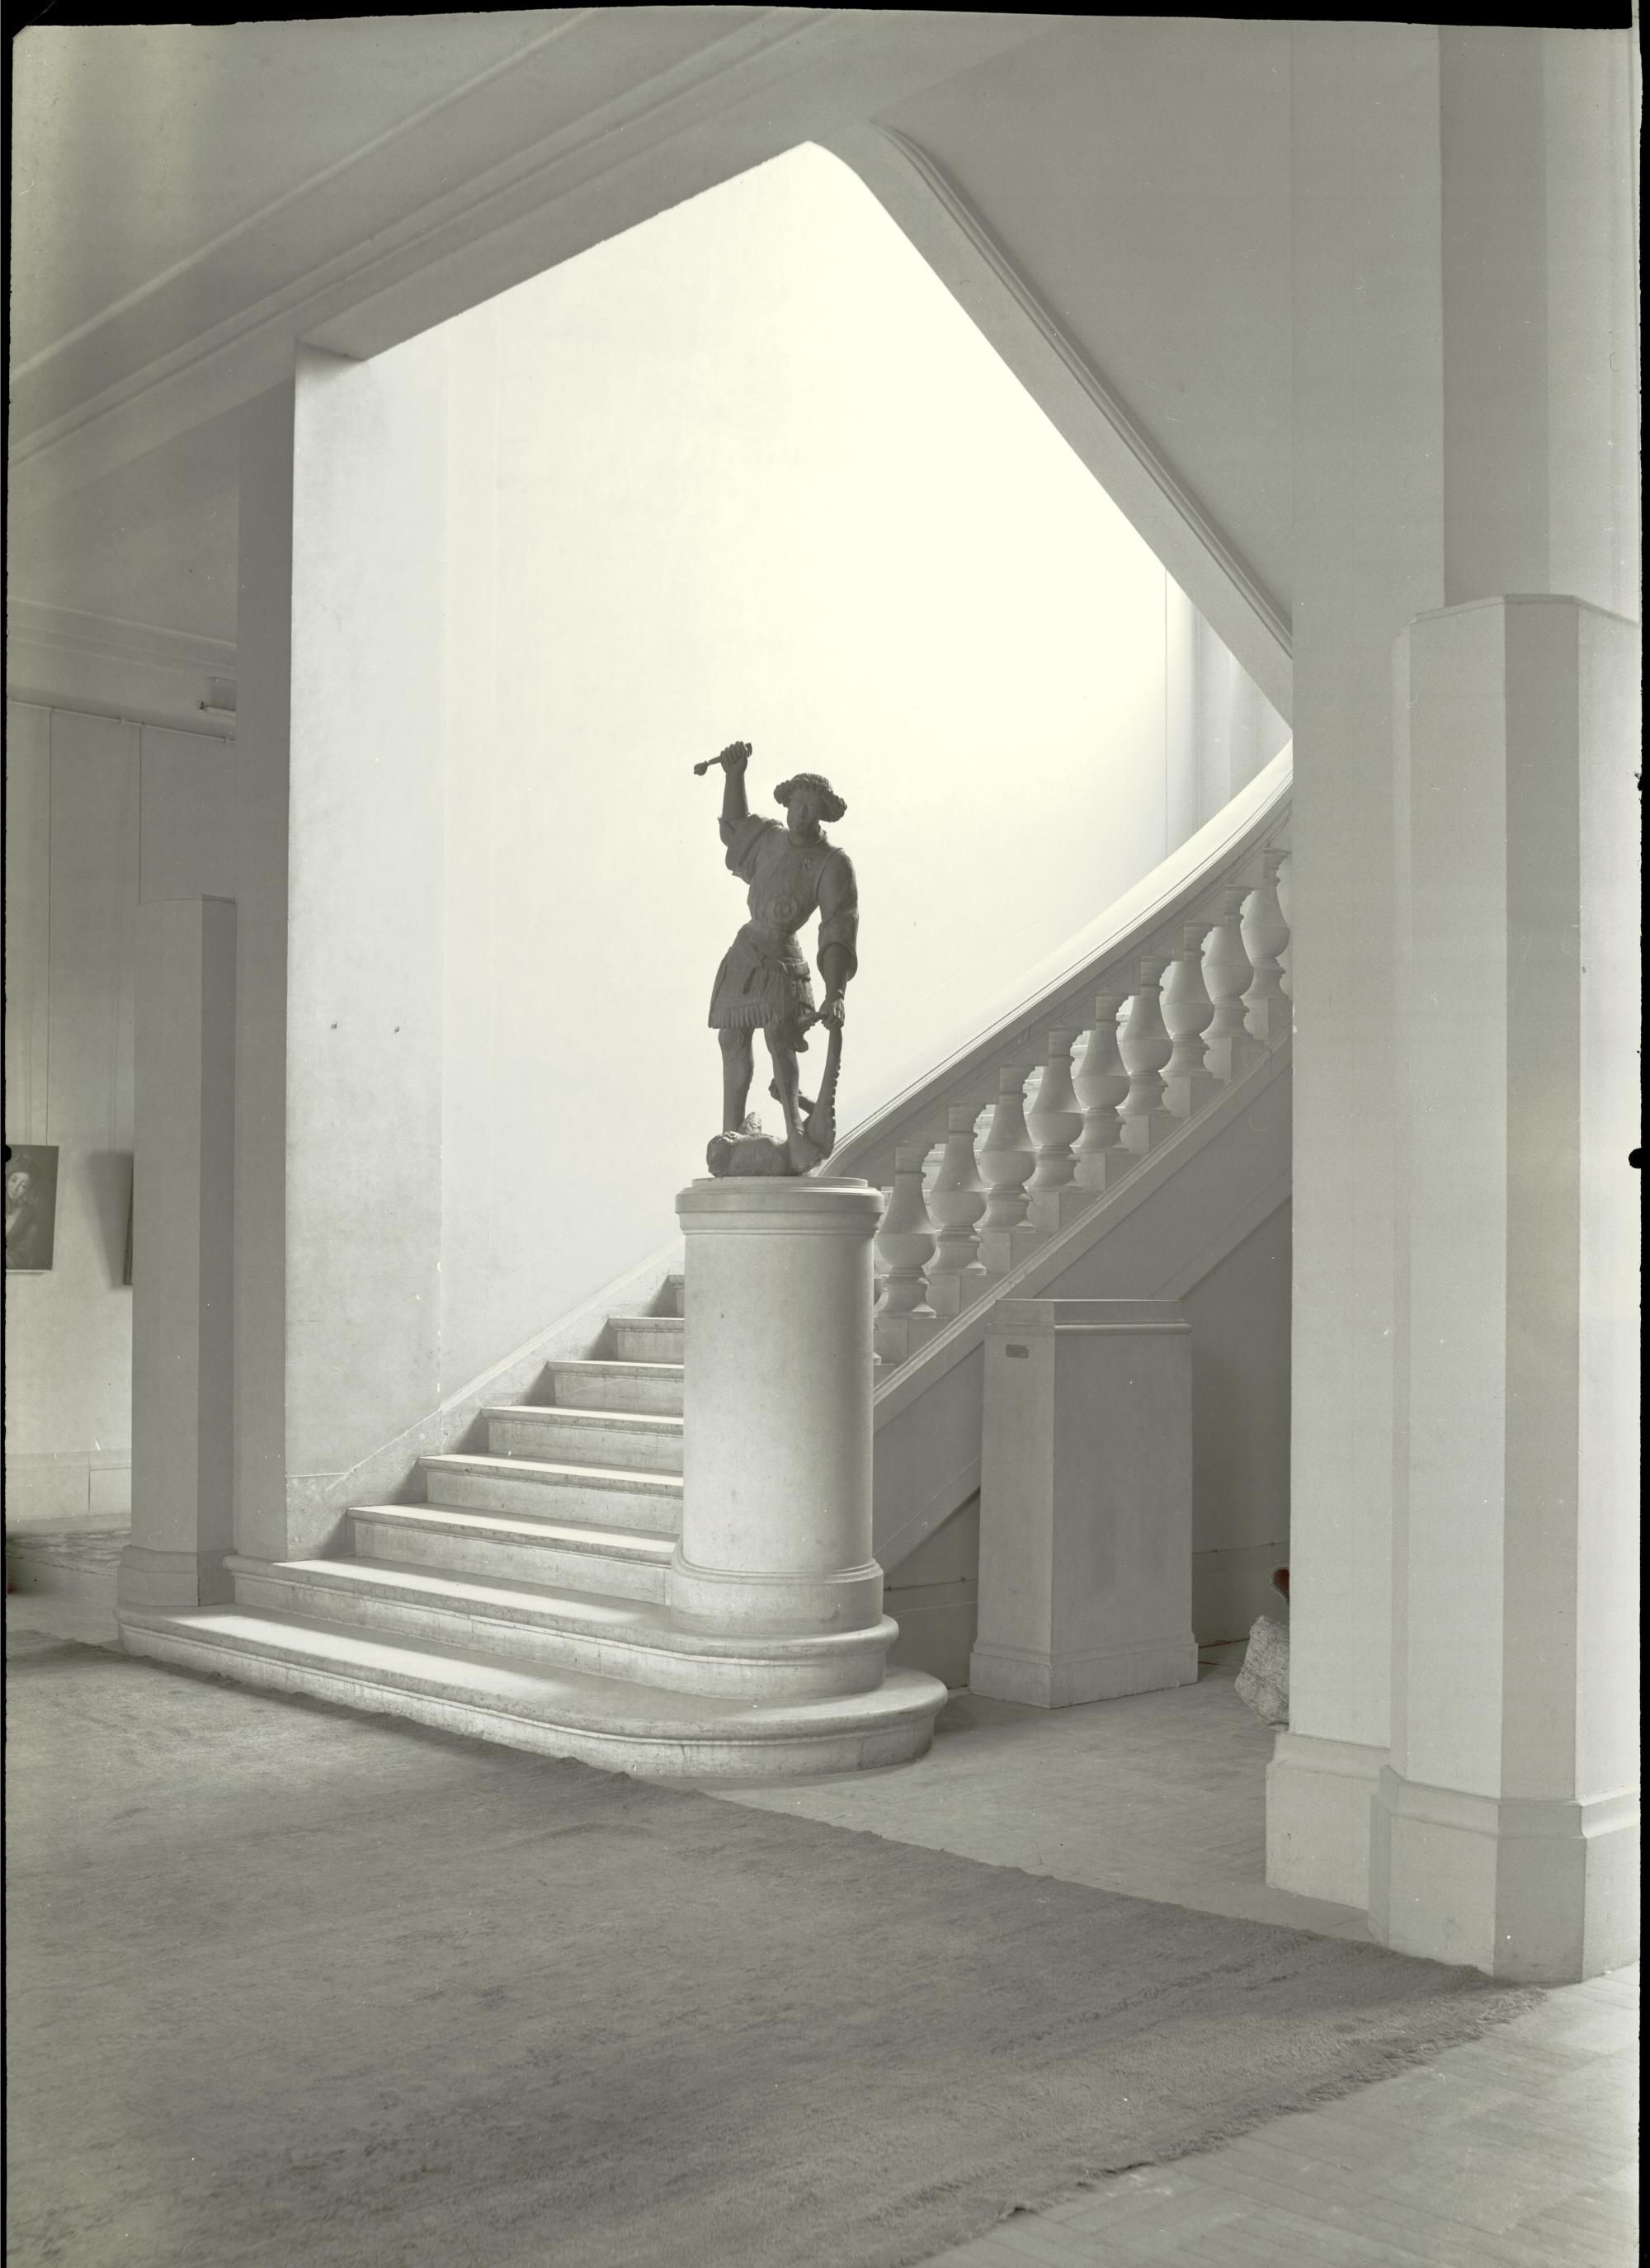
31,1170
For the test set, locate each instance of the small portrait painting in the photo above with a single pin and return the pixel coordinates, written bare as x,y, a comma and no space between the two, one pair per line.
30,1171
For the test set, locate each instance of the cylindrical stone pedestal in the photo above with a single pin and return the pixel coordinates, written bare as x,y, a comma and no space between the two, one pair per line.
775,1516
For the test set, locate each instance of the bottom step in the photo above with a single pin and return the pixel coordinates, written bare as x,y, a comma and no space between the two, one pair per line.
605,1721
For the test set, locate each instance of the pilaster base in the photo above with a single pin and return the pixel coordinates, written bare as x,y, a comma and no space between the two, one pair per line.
1061,1681
1535,1892
171,1578
1318,1799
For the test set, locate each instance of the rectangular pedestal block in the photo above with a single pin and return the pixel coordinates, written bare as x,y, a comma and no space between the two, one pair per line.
1084,1502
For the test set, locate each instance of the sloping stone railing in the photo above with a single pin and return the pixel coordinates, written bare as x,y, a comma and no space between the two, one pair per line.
1182,993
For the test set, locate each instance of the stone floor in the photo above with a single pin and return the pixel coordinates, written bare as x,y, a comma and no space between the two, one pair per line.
1519,2151
1515,2152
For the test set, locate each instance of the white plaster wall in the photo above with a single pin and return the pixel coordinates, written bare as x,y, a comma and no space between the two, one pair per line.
1137,170
99,812
364,1086
1239,1315
749,472
854,541
72,860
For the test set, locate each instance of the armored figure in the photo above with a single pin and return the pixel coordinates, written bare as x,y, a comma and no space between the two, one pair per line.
762,985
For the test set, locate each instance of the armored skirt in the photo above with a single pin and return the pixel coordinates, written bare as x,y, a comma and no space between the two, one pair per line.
763,984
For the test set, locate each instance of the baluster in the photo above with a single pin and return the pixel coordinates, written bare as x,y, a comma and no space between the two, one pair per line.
956,1274
906,1240
1145,1047
1188,1013
1265,935
1054,1120
1100,1082
1227,1046
1007,1158
1285,958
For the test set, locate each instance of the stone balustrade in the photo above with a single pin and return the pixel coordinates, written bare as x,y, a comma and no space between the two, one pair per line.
974,1187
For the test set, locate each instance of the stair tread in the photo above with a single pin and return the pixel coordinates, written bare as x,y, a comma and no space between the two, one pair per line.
642,1421
606,1477
599,1613
611,1366
596,1607
576,1698
628,1542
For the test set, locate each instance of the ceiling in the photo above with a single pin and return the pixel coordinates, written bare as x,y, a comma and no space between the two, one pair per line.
190,202
135,145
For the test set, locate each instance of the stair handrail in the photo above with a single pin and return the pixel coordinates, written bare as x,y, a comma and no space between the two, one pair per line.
1145,919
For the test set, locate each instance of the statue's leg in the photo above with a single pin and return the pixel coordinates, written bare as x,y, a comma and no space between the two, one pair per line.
737,1060
785,1077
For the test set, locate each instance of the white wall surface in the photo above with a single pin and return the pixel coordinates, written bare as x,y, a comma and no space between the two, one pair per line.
747,472
1136,171
97,810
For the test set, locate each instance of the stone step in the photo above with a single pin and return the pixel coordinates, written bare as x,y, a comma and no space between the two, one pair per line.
576,1630
560,1555
604,1496
625,1440
610,1722
674,1295
615,1386
647,1338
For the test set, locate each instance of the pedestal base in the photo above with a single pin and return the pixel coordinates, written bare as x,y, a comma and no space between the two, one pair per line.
775,1551
1538,1893
1060,1681
1318,1798
780,1604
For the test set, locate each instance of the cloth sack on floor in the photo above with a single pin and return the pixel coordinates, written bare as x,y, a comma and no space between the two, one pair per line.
1263,1680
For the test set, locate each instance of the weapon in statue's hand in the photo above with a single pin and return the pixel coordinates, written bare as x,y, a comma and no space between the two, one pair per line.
738,748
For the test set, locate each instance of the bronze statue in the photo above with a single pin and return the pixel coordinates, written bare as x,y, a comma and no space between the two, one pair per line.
764,985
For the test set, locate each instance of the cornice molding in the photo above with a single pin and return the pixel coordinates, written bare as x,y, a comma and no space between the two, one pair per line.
996,292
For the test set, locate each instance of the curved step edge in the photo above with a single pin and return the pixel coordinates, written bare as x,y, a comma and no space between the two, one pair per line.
854,1732
595,1636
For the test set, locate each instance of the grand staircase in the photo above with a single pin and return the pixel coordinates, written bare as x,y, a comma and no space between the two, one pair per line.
513,1587
522,1600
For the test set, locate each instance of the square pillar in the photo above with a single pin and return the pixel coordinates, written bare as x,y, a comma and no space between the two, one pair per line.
1367,414
1084,1502
1504,1828
183,1433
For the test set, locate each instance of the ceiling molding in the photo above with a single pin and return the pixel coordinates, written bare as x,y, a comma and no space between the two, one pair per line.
323,178
1058,373
242,340
789,76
